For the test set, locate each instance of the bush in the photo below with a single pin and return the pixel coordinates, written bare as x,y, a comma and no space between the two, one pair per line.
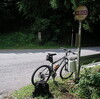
16,39
89,85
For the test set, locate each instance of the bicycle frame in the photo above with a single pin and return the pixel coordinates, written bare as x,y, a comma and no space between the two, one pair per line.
63,59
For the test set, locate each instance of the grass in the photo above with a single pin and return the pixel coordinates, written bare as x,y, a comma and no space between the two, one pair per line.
90,58
29,46
59,91
21,40
65,89
33,46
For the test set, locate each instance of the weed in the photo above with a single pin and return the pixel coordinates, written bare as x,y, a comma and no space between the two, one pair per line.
89,85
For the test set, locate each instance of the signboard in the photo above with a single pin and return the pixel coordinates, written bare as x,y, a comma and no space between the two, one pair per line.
81,13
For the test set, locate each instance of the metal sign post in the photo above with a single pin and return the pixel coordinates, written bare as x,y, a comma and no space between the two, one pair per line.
79,48
80,14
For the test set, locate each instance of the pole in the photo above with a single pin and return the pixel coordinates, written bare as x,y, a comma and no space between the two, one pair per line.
79,52
80,14
72,39
39,36
79,48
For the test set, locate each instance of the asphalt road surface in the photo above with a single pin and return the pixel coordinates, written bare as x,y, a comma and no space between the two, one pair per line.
17,66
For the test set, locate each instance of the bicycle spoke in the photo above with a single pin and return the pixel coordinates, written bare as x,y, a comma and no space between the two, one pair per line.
64,73
42,73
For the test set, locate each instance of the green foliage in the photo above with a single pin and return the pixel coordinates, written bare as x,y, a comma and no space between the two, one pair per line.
58,28
75,4
54,18
54,28
37,9
58,4
86,25
89,85
33,7
40,25
16,39
54,4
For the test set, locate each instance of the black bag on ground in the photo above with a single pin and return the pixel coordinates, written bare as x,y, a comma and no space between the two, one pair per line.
41,89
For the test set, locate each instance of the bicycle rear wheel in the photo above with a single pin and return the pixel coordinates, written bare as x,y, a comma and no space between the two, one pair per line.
64,73
41,73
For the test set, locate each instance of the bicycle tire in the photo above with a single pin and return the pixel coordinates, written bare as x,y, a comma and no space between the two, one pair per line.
64,69
37,74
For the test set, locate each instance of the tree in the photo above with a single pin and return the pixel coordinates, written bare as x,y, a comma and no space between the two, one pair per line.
33,7
10,18
39,7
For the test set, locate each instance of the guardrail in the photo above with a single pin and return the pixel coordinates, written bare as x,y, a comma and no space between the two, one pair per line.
89,59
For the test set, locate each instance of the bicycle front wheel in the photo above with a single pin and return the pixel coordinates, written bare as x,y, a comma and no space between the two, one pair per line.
64,73
41,73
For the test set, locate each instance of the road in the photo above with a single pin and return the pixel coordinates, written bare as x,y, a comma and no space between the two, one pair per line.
17,66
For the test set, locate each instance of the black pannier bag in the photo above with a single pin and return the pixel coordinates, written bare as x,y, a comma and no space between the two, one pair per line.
42,89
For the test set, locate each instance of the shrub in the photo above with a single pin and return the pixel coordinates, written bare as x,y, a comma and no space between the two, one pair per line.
16,39
89,85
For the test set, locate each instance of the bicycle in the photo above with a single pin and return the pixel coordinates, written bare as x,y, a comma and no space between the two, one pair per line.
44,72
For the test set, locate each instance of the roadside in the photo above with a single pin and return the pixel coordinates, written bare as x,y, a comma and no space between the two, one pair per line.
92,64
16,66
67,89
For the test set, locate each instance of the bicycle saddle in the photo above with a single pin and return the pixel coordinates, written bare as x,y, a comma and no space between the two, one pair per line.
52,54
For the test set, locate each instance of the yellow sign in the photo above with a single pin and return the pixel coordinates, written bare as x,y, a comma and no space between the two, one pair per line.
81,13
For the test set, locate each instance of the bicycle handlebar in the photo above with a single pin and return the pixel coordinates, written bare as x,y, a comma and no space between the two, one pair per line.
68,51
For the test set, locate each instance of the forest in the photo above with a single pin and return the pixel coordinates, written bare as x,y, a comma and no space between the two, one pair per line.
21,20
